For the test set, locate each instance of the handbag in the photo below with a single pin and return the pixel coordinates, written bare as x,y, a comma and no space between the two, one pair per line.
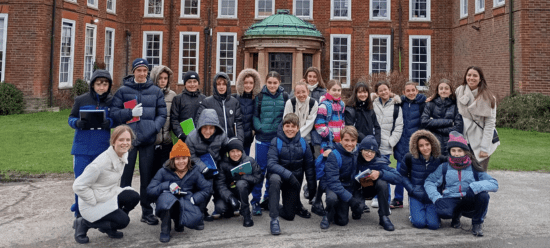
495,133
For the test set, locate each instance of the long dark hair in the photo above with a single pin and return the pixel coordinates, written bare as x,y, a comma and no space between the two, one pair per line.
273,74
483,91
319,78
361,86
444,81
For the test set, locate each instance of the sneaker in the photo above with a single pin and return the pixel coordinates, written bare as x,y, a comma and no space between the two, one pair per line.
396,204
366,209
374,203
275,228
477,230
356,216
216,215
150,219
256,209
455,223
325,224
303,213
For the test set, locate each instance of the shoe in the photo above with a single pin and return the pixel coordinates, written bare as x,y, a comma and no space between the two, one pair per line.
165,227
306,191
200,227
477,230
386,223
178,228
112,233
150,219
325,224
256,209
247,221
265,204
216,215
356,216
208,217
455,223
396,204
81,229
318,209
303,213
374,203
366,209
275,228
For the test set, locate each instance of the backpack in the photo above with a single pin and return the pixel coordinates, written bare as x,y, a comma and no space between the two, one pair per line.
260,97
302,142
311,104
395,115
321,161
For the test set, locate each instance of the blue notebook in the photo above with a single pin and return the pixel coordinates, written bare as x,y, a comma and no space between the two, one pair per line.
210,163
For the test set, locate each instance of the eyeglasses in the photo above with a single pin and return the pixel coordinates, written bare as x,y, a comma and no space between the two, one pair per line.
368,152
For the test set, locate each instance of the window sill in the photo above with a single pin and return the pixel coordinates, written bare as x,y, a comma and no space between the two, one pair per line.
379,20
64,86
93,7
420,20
499,5
73,2
227,18
111,12
153,17
190,17
340,20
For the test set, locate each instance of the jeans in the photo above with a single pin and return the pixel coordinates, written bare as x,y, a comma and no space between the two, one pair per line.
423,215
261,158
398,191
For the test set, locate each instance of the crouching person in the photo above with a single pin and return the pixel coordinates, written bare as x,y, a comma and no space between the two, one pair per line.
102,203
466,186
288,158
233,189
179,189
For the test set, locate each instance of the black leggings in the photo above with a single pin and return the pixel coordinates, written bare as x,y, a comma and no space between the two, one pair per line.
127,200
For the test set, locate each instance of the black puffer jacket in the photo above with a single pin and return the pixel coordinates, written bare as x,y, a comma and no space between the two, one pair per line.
225,179
227,107
246,100
364,120
441,117
184,106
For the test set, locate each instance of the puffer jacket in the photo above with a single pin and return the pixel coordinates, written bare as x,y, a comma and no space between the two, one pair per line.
227,108
266,120
154,109
329,126
246,101
224,179
441,117
378,163
340,180
412,111
420,168
91,142
384,115
184,106
164,135
198,147
291,160
364,120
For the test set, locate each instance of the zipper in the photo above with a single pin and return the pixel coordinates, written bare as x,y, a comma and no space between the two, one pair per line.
460,183
225,116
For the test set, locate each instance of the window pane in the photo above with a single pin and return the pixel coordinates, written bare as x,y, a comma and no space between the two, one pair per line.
419,63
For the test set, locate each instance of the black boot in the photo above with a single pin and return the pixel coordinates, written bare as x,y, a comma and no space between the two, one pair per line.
81,229
165,226
105,227
247,221
386,223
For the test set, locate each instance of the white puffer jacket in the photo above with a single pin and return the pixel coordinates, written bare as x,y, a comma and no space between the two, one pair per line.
384,116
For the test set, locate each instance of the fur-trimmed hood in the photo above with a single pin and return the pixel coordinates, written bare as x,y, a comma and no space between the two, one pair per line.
155,73
257,82
413,143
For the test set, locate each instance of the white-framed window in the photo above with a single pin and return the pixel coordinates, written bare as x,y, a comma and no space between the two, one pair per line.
419,10
227,8
89,51
190,8
189,53
152,48
92,3
340,58
109,49
66,55
498,3
420,58
265,8
379,53
3,40
463,8
480,6
111,6
303,9
227,54
154,8
380,9
340,9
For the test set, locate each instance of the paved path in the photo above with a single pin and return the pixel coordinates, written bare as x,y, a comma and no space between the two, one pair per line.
36,214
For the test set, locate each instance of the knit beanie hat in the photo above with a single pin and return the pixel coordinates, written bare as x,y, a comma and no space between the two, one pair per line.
369,143
456,139
191,75
180,149
234,143
138,63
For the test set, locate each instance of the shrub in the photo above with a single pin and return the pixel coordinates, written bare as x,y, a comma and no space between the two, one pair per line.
11,99
530,112
80,87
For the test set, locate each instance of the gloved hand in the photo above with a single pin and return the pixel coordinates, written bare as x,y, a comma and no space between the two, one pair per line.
439,204
174,188
206,170
470,195
354,203
234,203
137,110
192,201
106,125
294,182
182,137
81,124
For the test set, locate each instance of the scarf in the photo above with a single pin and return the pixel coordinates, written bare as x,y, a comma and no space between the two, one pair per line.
302,111
331,98
468,105
312,87
459,163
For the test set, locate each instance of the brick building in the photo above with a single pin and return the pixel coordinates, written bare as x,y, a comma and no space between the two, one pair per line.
417,37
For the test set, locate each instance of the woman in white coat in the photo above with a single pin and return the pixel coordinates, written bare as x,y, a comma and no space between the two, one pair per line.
103,204
477,105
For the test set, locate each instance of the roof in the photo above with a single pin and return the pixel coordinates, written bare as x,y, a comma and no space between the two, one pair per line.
283,24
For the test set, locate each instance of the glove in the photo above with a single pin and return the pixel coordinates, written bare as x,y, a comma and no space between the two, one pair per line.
354,204
106,125
470,195
174,188
81,124
205,170
192,201
137,110
234,203
439,204
294,182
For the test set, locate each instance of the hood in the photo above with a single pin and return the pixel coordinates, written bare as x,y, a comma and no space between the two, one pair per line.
129,82
413,143
420,98
209,117
257,82
100,74
281,135
279,91
155,73
223,75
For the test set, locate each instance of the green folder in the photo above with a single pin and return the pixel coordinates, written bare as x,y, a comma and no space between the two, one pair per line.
187,126
242,169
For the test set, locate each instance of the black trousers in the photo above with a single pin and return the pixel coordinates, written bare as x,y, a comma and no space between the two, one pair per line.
127,201
161,155
241,192
380,189
204,204
337,209
475,208
291,197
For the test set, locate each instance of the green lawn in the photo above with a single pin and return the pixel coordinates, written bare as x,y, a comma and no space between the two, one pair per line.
41,143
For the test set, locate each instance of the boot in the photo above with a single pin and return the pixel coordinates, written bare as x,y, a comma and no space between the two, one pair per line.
477,230
325,224
455,223
318,209
105,227
178,227
247,221
81,229
386,223
165,226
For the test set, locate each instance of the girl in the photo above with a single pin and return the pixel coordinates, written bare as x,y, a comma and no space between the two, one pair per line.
268,114
360,113
441,114
423,158
315,84
102,202
248,87
477,105
466,186
330,116
178,188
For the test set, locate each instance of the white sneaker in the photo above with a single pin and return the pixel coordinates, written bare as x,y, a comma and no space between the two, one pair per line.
374,203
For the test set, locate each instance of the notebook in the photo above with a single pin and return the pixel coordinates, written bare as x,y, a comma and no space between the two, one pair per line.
130,105
363,174
210,163
187,126
242,169
94,118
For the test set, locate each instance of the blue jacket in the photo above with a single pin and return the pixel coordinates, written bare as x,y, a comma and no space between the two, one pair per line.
266,120
154,109
457,182
440,117
341,180
412,111
91,142
420,170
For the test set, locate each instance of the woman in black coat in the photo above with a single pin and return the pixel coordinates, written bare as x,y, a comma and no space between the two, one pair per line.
178,189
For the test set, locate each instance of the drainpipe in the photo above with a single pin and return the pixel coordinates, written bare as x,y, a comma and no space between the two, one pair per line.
128,34
400,48
170,35
208,82
391,51
511,31
205,61
52,39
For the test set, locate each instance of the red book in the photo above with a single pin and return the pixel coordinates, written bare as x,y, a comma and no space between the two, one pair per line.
130,105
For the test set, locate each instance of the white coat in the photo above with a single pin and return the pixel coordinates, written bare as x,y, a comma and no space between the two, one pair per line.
384,116
306,117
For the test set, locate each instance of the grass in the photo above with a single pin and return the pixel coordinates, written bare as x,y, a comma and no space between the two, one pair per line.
41,143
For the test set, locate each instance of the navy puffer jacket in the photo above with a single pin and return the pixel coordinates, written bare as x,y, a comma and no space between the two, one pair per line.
154,109
440,117
267,119
378,163
224,179
246,101
412,112
184,106
341,180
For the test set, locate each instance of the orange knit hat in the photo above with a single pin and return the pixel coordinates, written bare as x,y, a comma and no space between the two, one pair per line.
180,149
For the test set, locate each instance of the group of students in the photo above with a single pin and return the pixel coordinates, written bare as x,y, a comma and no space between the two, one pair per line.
441,149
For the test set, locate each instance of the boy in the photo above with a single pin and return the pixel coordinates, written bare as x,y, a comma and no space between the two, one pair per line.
287,159
185,105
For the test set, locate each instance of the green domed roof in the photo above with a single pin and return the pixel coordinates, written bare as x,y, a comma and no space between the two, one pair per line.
283,24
